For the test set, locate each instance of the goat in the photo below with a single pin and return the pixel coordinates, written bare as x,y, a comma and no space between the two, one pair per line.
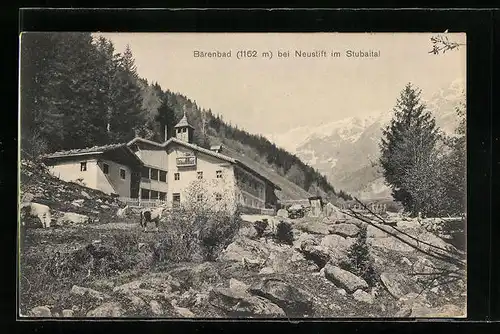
151,215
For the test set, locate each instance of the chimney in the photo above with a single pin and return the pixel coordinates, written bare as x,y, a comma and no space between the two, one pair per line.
166,133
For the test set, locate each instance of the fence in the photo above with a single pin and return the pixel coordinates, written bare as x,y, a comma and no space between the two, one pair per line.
144,203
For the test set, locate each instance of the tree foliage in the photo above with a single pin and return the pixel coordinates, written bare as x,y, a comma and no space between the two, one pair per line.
424,168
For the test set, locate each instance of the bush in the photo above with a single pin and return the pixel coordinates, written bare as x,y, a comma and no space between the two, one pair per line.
284,232
260,226
360,261
196,235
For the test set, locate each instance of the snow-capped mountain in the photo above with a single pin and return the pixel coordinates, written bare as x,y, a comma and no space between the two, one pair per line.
346,151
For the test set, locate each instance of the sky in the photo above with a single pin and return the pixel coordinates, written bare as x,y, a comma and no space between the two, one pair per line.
275,95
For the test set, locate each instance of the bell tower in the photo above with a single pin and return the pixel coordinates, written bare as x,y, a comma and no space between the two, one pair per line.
184,130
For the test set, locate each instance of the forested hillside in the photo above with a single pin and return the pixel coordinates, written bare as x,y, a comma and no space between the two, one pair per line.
78,91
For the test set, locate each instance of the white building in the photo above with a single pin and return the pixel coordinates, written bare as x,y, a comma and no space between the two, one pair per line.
176,171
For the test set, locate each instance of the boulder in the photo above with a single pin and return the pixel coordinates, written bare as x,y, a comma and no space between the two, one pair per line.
390,243
238,286
373,232
136,302
337,242
318,254
266,271
301,237
403,312
248,232
196,276
344,279
445,311
85,194
244,248
68,313
107,310
242,304
183,312
398,284
363,296
156,308
344,230
77,202
282,213
337,247
93,294
294,301
73,218
127,288
40,311
314,227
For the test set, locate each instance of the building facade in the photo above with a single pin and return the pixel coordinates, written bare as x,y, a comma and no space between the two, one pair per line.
182,173
176,172
109,169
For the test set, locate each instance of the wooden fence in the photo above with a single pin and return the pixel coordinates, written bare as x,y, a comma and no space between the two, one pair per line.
143,203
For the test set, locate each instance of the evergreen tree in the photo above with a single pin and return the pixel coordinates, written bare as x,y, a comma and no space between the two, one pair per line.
41,122
360,261
455,166
408,148
128,114
165,117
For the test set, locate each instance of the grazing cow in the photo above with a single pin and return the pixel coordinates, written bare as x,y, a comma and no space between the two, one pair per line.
40,211
151,215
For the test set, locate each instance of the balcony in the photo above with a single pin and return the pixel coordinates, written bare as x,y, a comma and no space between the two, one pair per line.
186,161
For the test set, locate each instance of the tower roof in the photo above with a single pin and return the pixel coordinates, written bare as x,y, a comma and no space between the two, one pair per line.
183,123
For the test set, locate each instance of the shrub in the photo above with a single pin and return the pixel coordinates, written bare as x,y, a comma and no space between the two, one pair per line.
284,232
360,261
260,226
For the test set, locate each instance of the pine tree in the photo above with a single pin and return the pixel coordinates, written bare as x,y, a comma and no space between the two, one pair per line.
165,117
41,122
360,261
128,114
455,166
408,149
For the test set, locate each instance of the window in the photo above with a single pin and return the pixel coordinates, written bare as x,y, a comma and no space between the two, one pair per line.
154,174
199,197
83,166
122,173
145,172
218,197
162,196
177,176
200,175
105,168
183,129
154,194
163,176
144,194
218,174
176,200
178,130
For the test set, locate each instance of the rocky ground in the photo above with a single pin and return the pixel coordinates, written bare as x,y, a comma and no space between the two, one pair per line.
110,268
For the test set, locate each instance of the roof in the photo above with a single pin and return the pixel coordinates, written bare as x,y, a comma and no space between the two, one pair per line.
84,151
183,122
94,150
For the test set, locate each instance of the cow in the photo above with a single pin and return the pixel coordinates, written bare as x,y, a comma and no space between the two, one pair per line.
151,215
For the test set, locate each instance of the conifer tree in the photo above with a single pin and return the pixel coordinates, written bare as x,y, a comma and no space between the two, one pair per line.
128,114
408,149
165,117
